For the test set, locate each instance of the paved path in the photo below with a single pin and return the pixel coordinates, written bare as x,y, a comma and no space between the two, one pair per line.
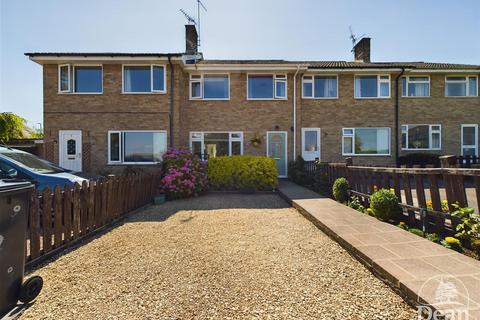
220,256
410,263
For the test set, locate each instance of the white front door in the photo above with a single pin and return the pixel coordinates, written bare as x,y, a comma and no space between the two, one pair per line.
70,150
469,140
310,144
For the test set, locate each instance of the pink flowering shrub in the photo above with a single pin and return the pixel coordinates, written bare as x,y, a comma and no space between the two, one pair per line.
184,175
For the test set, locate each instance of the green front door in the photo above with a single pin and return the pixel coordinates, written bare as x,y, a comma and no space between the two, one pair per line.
277,149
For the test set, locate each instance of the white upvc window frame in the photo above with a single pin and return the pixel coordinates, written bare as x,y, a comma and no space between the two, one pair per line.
201,136
200,78
431,131
122,153
152,90
110,161
276,77
408,80
312,82
467,86
72,79
462,146
379,82
69,78
352,136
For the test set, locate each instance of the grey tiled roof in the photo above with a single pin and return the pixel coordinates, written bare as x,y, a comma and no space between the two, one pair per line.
310,64
102,54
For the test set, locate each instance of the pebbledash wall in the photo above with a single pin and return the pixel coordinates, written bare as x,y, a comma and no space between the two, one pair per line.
96,114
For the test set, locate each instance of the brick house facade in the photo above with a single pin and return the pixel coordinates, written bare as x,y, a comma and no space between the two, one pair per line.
344,120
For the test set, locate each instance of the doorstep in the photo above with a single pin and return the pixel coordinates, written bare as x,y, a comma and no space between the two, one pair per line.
415,267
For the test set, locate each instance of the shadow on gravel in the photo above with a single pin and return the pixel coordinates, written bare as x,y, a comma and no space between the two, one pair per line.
211,201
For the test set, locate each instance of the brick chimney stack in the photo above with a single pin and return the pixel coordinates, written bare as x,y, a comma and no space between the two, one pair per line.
191,39
362,50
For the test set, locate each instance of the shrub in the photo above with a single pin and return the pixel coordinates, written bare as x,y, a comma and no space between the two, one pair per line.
415,231
470,225
452,243
354,203
385,205
296,172
340,190
184,175
476,245
402,225
433,237
242,172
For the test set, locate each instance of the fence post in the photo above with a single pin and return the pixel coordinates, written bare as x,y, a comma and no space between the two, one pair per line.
454,187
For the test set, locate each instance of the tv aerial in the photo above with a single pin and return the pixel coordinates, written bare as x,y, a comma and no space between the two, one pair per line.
353,37
196,22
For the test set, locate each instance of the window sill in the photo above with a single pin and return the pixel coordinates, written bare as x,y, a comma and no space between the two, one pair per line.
460,97
415,97
372,98
366,155
209,99
133,163
326,98
159,92
267,99
80,93
436,149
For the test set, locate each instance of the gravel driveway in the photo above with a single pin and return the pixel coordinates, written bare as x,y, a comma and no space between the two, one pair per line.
218,256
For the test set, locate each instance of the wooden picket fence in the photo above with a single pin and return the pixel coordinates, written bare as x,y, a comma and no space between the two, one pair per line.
415,187
58,218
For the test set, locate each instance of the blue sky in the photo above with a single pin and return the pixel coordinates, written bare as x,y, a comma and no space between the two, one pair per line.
407,30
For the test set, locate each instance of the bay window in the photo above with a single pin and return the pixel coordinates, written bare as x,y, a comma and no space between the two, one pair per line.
372,86
80,78
421,137
216,144
461,86
319,87
210,86
144,79
366,141
266,87
415,86
136,147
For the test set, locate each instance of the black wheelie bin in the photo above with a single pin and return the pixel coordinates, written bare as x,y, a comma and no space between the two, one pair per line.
14,209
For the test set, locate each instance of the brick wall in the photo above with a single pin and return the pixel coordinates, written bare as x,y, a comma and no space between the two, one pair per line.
95,114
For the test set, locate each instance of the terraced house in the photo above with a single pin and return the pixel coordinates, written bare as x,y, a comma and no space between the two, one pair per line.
109,110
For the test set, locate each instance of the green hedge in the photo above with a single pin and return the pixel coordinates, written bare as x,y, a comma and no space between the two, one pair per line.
242,173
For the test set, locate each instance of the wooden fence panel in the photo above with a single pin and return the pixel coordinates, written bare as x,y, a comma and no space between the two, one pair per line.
56,219
58,216
47,220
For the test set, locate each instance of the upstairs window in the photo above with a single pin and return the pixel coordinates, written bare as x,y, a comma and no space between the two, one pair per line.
415,86
144,79
461,86
372,86
80,79
366,141
421,137
319,87
266,87
210,87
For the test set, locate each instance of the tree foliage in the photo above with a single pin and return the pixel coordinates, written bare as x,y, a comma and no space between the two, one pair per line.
11,126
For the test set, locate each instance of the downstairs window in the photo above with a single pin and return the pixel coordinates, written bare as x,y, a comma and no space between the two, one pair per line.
136,147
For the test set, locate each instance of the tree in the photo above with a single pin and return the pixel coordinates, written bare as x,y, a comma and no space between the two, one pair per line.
11,126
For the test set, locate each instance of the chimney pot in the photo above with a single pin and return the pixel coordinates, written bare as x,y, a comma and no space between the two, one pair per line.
191,39
362,50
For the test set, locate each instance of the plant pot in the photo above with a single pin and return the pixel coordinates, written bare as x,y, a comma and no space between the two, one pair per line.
159,199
